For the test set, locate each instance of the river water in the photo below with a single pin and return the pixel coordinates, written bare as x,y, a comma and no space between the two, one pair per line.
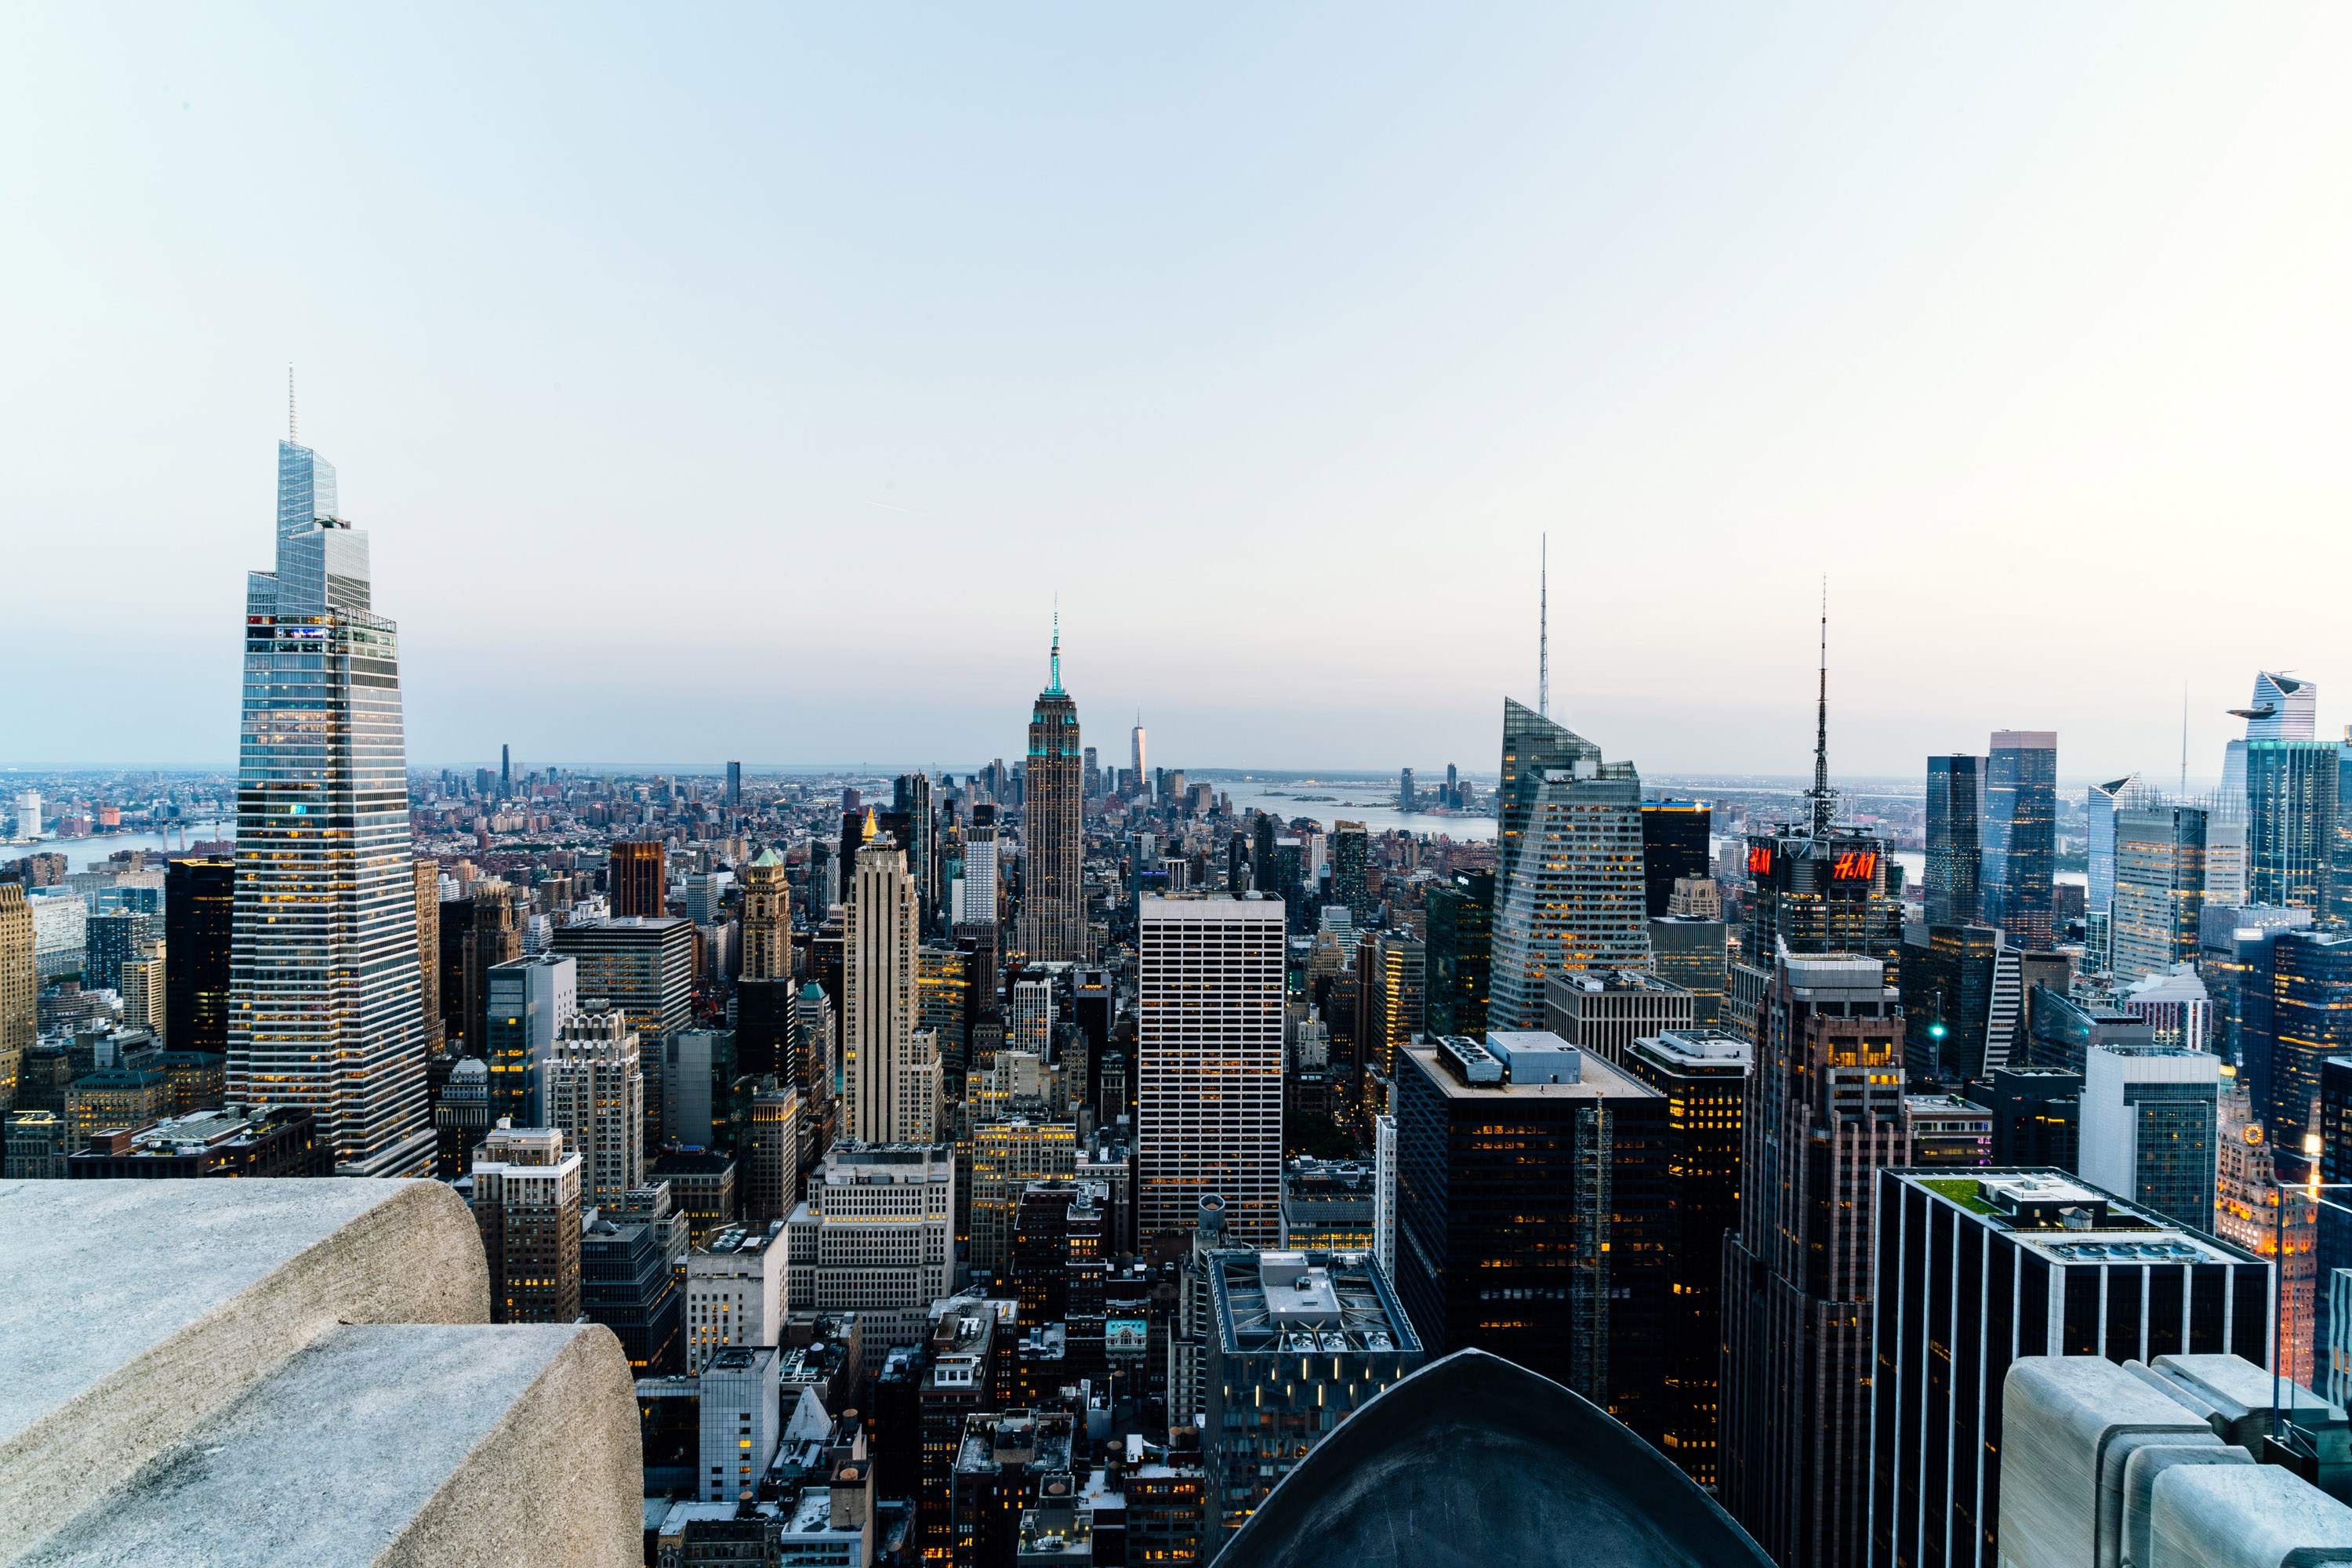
1332,804
82,853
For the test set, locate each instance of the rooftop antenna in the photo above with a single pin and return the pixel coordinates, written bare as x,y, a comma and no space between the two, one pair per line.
2184,739
1824,799
1056,685
293,429
1543,626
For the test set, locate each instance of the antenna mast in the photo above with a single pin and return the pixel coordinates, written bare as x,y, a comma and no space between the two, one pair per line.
2184,739
1543,626
1825,800
293,429
1056,685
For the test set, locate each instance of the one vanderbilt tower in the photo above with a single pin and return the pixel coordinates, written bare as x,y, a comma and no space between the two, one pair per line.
324,998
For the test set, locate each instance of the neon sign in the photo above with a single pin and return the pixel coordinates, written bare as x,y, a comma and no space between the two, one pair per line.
1759,859
1853,866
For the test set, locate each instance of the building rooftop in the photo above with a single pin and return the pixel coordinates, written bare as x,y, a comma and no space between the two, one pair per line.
2064,1219
1306,1302
1598,1080
1686,1049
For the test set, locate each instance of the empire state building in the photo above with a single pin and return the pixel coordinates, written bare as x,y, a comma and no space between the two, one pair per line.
1052,896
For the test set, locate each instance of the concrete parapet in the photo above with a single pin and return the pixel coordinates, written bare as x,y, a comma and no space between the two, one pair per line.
291,1370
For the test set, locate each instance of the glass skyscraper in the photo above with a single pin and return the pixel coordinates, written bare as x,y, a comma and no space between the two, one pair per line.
1568,895
1955,853
2291,826
325,996
2021,829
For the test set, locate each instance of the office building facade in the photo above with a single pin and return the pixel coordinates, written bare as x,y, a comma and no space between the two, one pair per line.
2159,894
199,913
592,1088
1955,844
2290,823
1825,1111
2021,825
526,1200
1458,918
637,880
323,983
1978,1271
1532,1218
530,1002
1209,1035
1704,1075
1569,894
878,1011
2150,1121
1673,847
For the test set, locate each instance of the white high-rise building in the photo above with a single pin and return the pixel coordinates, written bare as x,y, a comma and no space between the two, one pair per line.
1209,1064
876,1237
979,869
595,1091
28,814
878,1002
734,1291
324,992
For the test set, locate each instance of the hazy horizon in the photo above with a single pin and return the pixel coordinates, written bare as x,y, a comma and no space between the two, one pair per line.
757,378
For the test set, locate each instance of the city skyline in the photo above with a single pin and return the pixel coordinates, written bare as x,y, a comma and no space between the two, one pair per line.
1997,297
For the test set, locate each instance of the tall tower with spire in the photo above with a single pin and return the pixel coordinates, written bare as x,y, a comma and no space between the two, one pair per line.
1053,926
324,990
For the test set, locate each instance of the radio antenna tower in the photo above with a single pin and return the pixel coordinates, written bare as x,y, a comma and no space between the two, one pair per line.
1824,798
1543,626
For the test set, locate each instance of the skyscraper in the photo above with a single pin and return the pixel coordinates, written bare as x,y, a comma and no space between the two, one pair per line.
1824,1113
637,880
879,1000
766,1000
2290,823
1135,774
17,1009
595,1091
1459,916
2100,807
2021,825
2158,875
530,999
2148,1121
199,905
911,798
506,772
1568,891
2282,709
527,1205
1673,847
1955,847
734,785
1053,829
1351,875
979,869
1209,1064
323,985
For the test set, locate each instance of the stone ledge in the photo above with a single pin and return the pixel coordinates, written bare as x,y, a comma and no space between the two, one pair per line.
394,1446
137,1310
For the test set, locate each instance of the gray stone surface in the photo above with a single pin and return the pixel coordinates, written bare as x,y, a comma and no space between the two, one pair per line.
394,1446
132,1311
1474,1461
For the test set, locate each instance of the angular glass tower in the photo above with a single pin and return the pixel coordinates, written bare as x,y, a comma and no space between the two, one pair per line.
325,999
2021,825
1568,895
1955,845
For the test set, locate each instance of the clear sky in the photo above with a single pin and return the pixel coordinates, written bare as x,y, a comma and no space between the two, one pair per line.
746,381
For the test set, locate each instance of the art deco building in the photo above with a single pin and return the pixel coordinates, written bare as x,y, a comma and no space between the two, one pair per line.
1824,1113
18,1013
1053,894
595,1093
324,995
879,1007
1569,894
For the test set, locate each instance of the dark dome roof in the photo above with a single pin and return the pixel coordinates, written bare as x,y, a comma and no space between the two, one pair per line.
1474,1461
